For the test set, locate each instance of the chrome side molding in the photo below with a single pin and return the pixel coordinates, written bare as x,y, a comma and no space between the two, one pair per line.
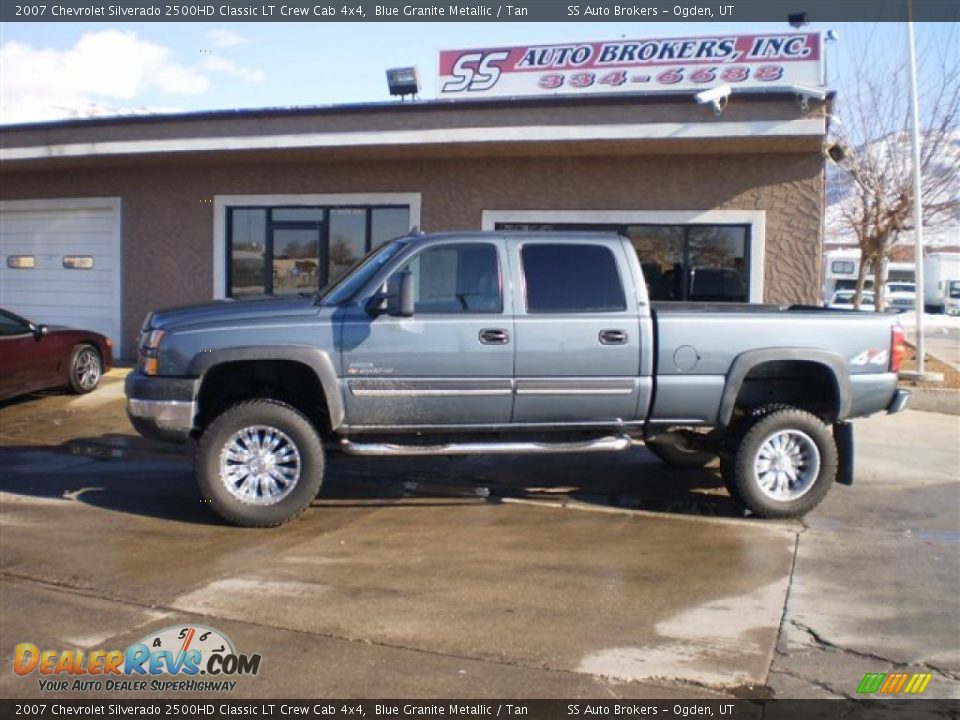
609,443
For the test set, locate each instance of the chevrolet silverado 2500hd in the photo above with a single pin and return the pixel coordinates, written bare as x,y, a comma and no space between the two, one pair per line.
498,343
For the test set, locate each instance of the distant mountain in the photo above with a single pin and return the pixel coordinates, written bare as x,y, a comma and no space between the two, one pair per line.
890,157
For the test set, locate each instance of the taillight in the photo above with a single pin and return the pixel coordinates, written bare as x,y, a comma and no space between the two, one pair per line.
898,348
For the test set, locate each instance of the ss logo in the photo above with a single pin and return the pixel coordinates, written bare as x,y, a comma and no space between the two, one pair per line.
482,77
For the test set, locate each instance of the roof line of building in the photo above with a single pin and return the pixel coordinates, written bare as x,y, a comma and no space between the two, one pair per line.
438,105
804,127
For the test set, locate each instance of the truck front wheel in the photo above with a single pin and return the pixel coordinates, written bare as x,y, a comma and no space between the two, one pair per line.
259,464
783,464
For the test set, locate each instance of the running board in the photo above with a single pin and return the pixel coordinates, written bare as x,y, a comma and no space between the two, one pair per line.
604,444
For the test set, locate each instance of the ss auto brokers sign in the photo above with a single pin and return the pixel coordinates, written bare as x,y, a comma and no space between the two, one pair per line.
667,65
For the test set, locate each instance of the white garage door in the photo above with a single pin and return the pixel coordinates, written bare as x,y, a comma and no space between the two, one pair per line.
60,262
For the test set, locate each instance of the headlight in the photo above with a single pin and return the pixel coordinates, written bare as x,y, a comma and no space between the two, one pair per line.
151,341
149,344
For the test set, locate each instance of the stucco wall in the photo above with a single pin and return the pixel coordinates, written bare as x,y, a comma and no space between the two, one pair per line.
168,216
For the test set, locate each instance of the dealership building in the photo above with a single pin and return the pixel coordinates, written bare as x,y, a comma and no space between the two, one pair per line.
105,219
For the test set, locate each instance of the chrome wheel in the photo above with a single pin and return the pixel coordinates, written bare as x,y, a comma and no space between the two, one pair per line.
86,369
260,465
786,465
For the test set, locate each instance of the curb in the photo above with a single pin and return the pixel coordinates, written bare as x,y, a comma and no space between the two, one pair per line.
939,400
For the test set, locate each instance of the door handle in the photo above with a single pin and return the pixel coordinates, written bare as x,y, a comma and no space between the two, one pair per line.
613,337
494,336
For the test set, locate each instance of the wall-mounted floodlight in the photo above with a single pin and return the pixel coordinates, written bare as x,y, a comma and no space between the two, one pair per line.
403,81
716,97
837,153
798,20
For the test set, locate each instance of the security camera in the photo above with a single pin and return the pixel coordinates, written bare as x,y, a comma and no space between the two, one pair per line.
809,92
806,93
715,96
832,36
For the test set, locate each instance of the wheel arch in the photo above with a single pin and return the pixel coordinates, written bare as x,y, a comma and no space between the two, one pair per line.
316,363
823,365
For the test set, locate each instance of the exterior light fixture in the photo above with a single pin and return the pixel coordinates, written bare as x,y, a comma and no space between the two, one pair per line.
403,81
798,20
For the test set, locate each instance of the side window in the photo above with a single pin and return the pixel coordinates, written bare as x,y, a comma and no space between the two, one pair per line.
12,326
566,278
452,279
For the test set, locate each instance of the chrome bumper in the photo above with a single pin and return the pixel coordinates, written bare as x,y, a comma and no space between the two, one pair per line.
162,408
899,402
169,415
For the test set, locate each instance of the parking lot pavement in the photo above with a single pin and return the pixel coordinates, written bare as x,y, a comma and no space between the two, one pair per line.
569,576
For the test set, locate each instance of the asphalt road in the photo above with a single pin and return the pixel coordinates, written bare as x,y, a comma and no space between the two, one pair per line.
569,576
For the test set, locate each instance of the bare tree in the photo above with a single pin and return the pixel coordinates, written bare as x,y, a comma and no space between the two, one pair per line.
873,187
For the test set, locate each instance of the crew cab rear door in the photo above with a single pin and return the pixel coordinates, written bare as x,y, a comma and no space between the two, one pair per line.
577,332
451,364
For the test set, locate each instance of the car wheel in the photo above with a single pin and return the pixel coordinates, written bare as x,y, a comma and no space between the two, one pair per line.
260,464
783,464
677,456
86,369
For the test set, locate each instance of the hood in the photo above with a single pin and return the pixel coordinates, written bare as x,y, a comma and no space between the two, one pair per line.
223,311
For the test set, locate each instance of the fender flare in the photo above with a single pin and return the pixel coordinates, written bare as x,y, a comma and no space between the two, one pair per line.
747,361
317,360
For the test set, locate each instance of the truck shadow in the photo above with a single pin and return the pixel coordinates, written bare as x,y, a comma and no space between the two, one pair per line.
126,474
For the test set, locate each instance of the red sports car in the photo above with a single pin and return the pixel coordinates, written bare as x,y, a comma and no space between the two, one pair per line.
34,357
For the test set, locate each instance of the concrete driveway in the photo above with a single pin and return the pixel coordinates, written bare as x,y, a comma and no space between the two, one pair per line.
571,576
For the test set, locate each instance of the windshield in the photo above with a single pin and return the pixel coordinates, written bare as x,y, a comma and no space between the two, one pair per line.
902,288
955,289
347,286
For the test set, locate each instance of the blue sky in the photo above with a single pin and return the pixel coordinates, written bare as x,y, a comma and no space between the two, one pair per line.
50,70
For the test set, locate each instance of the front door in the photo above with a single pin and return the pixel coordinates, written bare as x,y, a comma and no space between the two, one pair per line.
449,364
577,333
299,259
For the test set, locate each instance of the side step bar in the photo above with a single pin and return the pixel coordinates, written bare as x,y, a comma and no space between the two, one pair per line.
604,444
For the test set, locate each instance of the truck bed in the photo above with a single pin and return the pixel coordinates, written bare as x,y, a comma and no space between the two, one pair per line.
697,344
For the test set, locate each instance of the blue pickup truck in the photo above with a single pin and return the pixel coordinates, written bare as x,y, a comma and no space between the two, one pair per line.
501,343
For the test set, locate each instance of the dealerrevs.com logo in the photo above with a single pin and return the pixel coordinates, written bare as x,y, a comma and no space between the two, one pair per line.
181,658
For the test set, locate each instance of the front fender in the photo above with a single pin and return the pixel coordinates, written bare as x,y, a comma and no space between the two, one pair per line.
317,360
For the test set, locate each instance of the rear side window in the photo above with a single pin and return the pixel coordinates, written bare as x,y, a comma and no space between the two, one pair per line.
566,278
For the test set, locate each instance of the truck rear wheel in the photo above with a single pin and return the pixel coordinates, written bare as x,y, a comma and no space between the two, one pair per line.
259,464
784,464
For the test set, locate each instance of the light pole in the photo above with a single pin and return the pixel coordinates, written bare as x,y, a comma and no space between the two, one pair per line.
917,202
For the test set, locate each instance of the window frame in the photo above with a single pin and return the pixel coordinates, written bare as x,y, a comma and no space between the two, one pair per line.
322,226
620,228
755,220
411,201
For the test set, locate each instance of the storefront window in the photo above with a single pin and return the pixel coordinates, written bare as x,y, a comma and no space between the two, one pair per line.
287,250
388,223
248,242
348,239
698,263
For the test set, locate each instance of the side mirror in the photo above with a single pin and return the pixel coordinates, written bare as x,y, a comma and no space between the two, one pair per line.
400,295
39,331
